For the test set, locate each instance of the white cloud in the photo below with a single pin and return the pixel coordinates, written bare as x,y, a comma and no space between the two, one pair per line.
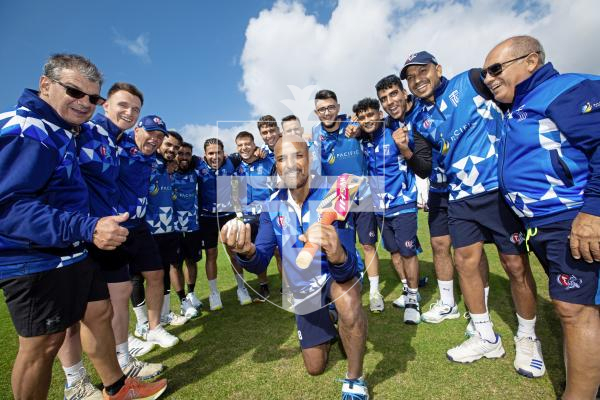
366,40
138,47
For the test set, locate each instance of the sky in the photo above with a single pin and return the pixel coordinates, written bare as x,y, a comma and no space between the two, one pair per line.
212,68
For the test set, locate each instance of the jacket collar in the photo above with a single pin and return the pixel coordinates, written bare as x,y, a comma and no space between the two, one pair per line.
546,72
32,101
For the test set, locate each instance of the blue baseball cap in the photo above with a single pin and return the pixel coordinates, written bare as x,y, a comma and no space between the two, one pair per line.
153,123
420,58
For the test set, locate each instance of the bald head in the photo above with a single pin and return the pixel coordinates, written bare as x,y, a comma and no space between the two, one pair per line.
292,161
511,62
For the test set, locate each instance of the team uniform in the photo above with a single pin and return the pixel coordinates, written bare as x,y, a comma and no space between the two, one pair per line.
549,172
464,127
45,273
307,290
185,210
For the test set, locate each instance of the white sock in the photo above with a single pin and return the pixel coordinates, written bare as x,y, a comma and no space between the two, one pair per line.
213,286
404,284
486,292
373,285
166,307
526,327
483,326
411,297
74,373
141,313
123,354
240,280
447,292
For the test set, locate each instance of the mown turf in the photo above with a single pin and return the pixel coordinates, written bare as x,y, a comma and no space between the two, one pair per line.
252,352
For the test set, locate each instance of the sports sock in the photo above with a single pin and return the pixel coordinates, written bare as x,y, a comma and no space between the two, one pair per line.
486,292
404,284
526,327
483,326
191,287
213,286
447,292
374,285
74,373
166,307
123,354
411,297
240,281
113,389
361,378
141,314
181,295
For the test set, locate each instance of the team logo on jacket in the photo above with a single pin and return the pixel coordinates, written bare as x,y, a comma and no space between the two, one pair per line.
281,221
204,171
569,281
427,123
517,238
587,107
103,151
331,159
133,151
454,98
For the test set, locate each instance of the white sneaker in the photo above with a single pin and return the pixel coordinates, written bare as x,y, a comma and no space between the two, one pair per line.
83,389
141,330
475,348
400,302
376,303
243,296
194,301
138,347
142,370
214,300
439,311
412,313
173,319
161,337
529,361
187,310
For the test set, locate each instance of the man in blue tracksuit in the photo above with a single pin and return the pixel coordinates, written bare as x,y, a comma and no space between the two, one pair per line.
463,123
340,154
49,282
549,167
290,220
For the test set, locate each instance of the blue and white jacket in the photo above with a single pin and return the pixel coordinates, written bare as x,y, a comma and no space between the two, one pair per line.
44,206
134,180
257,184
282,224
550,152
99,163
463,125
159,214
215,198
185,205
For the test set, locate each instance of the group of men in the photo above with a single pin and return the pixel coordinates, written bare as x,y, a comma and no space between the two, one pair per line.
510,150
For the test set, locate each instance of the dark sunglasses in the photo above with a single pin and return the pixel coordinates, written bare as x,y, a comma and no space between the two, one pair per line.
95,99
497,68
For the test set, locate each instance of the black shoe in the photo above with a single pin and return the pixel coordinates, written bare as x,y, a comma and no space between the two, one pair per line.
263,291
423,281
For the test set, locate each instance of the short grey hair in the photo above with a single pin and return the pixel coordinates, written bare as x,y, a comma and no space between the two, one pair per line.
524,45
57,62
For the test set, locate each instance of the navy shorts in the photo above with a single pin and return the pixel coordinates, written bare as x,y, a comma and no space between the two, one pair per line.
399,234
168,247
570,280
316,328
365,225
50,301
437,204
190,247
486,218
210,227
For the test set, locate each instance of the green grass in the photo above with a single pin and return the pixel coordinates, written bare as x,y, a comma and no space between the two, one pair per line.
252,352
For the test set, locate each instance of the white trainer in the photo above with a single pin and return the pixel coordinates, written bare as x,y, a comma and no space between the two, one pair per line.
138,347
439,311
141,330
187,310
83,389
412,313
161,337
401,301
214,300
243,296
376,304
529,361
173,319
194,301
142,370
475,348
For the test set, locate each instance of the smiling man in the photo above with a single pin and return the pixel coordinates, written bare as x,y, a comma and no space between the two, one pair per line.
549,166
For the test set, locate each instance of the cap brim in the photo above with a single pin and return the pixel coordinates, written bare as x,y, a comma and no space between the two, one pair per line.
403,70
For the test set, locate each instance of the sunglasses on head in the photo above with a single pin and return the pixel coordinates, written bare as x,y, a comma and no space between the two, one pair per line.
95,99
497,68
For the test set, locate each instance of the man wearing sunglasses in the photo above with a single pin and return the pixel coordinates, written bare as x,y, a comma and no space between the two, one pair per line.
549,166
49,282
463,123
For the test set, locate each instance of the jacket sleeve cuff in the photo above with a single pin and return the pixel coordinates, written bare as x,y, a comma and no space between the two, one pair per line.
346,271
591,205
87,227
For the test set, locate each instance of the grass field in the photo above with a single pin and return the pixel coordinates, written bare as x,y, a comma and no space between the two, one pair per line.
252,352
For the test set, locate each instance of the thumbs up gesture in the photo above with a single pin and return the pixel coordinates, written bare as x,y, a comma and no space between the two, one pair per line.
108,233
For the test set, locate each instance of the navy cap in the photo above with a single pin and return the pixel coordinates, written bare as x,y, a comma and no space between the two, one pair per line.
420,58
153,123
